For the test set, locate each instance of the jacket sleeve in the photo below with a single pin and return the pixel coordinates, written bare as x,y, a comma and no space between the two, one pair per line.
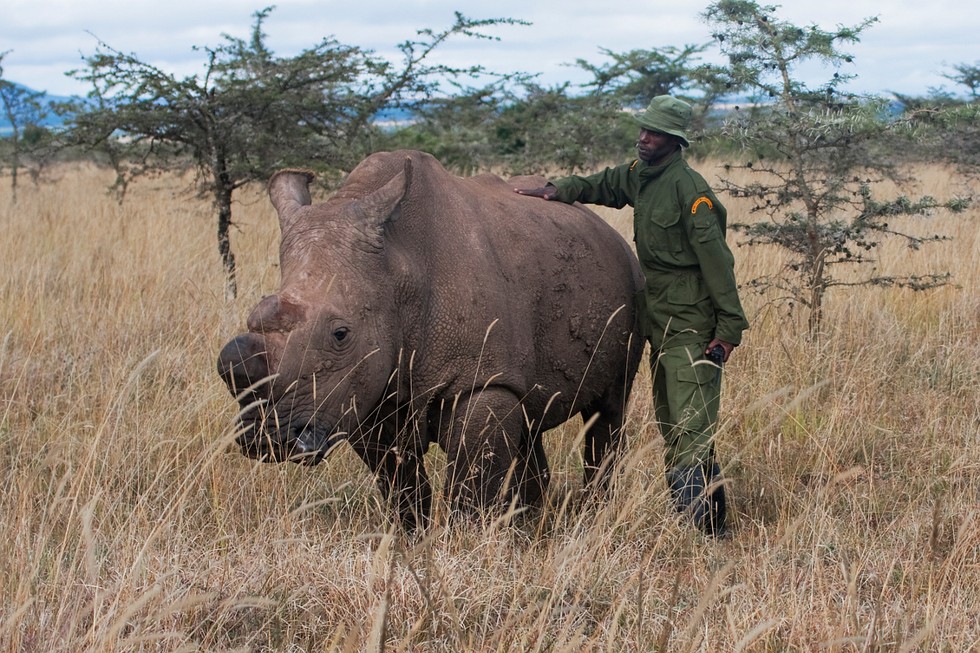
607,188
705,219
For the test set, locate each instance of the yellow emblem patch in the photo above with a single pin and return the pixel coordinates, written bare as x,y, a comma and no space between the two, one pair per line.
699,202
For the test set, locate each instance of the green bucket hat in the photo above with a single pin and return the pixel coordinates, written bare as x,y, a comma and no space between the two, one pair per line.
667,115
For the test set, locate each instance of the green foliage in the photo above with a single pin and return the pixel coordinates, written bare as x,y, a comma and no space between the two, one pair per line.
548,128
635,77
456,128
946,127
251,112
523,127
813,154
954,134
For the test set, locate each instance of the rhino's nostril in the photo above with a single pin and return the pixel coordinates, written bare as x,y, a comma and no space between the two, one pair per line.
305,441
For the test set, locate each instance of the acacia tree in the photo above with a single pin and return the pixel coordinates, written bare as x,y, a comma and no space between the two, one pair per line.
548,128
631,79
525,127
952,131
24,110
251,112
579,132
960,128
637,76
520,127
967,75
814,155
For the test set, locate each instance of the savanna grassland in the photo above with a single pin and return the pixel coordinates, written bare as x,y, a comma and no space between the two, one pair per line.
128,525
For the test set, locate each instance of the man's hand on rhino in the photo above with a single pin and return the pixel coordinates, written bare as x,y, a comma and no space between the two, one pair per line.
548,192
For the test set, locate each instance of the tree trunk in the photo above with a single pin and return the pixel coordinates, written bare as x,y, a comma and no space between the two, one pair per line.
223,201
13,180
14,158
818,286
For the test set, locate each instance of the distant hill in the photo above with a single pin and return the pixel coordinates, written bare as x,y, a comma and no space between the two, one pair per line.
51,121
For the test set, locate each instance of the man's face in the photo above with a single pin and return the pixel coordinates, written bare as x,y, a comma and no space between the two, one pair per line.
653,146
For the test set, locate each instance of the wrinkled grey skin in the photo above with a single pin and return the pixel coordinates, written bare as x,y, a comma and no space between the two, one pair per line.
416,307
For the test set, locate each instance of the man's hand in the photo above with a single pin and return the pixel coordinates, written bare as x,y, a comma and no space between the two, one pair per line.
727,346
546,192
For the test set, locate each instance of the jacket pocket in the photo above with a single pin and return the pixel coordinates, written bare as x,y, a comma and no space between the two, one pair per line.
665,234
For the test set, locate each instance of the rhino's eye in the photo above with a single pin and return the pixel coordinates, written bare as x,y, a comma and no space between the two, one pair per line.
340,334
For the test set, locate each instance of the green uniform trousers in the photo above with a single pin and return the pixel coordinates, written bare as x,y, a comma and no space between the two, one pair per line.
686,396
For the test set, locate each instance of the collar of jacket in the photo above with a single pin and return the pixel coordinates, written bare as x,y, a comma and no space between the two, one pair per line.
647,171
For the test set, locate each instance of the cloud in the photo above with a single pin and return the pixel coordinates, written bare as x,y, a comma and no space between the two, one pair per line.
907,50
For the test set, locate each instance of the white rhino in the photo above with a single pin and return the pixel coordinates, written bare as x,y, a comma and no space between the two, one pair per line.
417,307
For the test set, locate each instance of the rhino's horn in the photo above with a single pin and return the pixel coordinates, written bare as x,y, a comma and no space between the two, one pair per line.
289,191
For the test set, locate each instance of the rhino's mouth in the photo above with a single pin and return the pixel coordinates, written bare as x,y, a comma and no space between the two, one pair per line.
266,439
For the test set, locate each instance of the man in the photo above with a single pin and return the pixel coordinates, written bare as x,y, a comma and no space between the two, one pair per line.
690,310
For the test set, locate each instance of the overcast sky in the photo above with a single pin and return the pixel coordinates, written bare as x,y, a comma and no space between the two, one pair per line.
907,51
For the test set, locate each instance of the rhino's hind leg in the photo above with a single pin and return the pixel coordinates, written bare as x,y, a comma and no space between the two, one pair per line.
602,445
603,440
533,473
487,459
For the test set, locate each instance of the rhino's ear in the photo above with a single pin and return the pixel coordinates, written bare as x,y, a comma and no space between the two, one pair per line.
381,206
289,191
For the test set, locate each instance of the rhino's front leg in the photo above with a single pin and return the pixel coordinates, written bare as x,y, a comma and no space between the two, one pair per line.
486,452
403,482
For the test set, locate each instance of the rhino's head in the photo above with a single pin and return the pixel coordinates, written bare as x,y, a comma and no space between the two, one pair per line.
318,354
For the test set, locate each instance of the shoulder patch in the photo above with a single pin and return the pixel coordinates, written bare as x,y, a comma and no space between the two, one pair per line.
698,202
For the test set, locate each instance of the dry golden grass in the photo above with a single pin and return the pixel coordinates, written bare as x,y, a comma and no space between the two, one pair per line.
854,467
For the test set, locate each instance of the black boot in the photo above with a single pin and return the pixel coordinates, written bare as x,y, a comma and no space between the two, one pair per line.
687,489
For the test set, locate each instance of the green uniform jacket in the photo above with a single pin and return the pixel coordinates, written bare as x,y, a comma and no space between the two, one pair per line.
679,228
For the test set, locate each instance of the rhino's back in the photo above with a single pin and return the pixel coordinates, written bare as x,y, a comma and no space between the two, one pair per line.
555,281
